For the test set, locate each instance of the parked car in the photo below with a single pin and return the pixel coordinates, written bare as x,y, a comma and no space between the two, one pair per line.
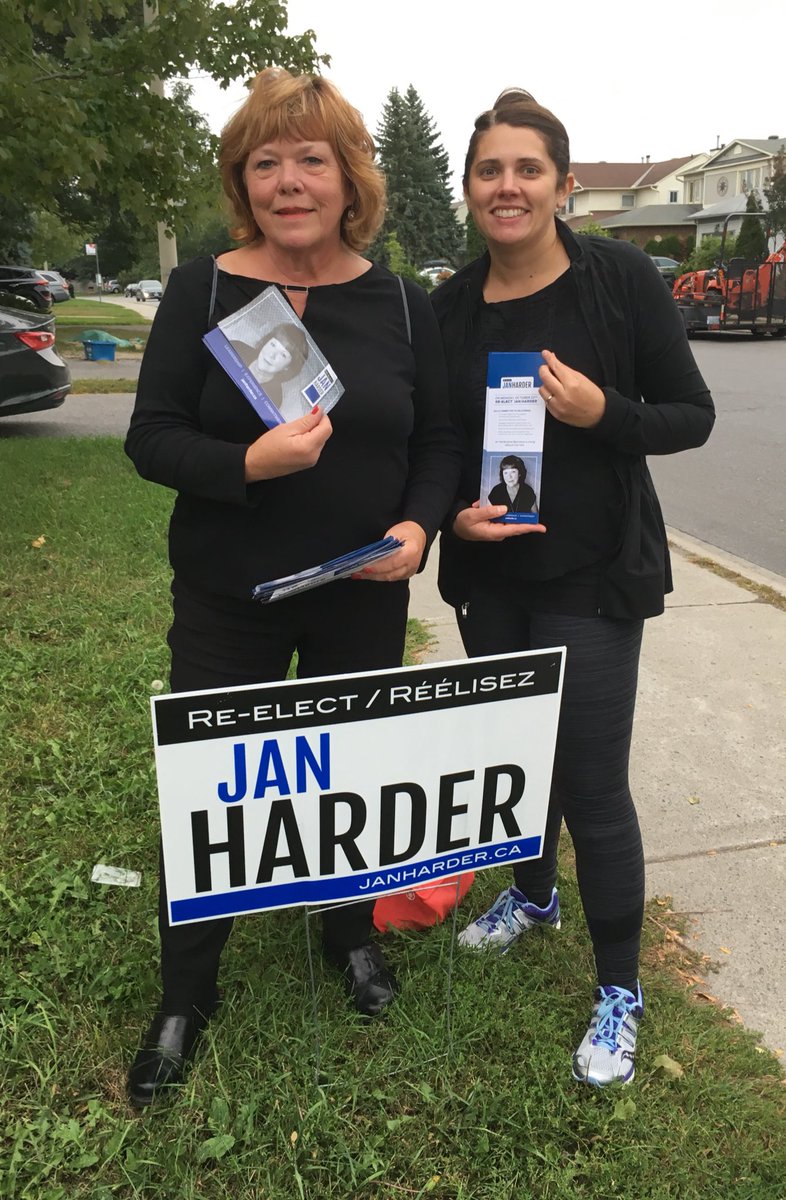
437,270
668,267
26,281
33,376
149,289
130,290
112,286
57,286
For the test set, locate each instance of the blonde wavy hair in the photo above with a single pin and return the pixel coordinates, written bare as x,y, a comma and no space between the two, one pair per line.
303,108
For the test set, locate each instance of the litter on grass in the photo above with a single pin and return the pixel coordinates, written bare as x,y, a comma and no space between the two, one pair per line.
119,876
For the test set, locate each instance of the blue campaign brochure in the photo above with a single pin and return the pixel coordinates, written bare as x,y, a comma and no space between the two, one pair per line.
513,436
336,568
268,352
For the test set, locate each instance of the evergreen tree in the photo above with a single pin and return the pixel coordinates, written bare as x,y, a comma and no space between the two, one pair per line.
752,239
416,166
775,191
476,243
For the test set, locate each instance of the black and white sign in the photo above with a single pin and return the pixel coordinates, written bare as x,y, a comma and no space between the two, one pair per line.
331,789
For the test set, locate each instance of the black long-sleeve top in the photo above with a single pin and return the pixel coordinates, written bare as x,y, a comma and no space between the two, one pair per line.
392,456
622,329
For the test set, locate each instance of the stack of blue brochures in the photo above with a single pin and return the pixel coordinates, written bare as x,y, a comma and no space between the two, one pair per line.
338,568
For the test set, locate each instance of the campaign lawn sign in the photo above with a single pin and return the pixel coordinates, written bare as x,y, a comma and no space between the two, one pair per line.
316,791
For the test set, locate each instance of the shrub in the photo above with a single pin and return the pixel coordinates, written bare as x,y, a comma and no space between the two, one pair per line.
706,254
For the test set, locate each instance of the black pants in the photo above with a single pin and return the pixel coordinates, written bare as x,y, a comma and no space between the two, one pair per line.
590,783
217,642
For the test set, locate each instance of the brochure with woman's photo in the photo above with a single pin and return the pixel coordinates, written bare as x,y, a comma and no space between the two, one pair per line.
513,436
272,358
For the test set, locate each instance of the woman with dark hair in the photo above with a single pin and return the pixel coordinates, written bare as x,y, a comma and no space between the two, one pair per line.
297,165
513,490
619,382
278,360
281,355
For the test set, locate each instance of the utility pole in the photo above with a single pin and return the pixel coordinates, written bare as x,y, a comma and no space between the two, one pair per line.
167,242
91,249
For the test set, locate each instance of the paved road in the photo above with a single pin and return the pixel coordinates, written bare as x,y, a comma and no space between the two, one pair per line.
731,492
144,308
80,416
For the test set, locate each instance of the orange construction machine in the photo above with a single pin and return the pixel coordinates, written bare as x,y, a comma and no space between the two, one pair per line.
742,294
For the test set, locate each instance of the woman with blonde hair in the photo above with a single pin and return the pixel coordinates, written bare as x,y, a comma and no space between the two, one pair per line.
297,165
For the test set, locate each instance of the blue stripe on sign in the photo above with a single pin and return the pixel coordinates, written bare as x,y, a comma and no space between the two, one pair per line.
354,887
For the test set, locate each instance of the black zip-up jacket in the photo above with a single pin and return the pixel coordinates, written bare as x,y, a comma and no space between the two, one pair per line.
656,403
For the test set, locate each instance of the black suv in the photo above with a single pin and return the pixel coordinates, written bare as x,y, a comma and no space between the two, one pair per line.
26,281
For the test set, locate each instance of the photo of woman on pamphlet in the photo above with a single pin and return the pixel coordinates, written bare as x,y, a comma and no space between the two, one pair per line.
513,488
277,361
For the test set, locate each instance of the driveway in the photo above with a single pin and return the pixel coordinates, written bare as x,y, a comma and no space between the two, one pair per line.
145,308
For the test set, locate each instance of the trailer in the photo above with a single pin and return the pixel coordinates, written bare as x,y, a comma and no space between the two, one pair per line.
740,295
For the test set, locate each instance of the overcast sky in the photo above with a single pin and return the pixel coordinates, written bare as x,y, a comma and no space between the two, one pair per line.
663,80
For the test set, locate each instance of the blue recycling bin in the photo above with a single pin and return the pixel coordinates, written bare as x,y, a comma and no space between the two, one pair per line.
100,350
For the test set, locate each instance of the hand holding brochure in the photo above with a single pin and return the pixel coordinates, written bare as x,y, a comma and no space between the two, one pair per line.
513,436
273,359
337,568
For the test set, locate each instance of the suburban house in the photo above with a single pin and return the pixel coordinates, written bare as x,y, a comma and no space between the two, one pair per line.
686,197
721,185
636,201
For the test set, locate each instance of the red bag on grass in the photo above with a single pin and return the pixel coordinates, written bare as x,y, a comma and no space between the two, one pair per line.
423,906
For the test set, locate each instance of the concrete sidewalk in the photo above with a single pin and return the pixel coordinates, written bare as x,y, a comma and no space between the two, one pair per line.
125,366
708,770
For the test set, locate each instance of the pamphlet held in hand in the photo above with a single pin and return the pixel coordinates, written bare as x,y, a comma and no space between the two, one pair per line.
337,568
268,352
513,436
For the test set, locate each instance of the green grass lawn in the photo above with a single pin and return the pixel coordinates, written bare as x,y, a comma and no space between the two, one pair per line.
102,387
401,1110
98,313
73,317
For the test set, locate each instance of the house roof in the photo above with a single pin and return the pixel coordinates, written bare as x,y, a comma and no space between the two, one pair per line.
625,175
756,146
652,214
767,145
576,222
734,204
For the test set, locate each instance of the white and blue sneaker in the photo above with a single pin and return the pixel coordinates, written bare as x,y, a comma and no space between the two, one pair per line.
510,915
608,1049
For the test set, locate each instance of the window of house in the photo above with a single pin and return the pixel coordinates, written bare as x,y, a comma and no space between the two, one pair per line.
628,200
749,179
694,191
673,197
571,204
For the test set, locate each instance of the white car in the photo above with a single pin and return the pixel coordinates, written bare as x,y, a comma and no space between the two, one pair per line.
437,272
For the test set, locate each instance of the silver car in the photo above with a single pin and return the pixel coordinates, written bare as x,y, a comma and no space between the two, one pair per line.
149,289
57,286
668,267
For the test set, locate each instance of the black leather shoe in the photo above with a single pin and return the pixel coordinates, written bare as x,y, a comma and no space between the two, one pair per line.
166,1050
369,980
